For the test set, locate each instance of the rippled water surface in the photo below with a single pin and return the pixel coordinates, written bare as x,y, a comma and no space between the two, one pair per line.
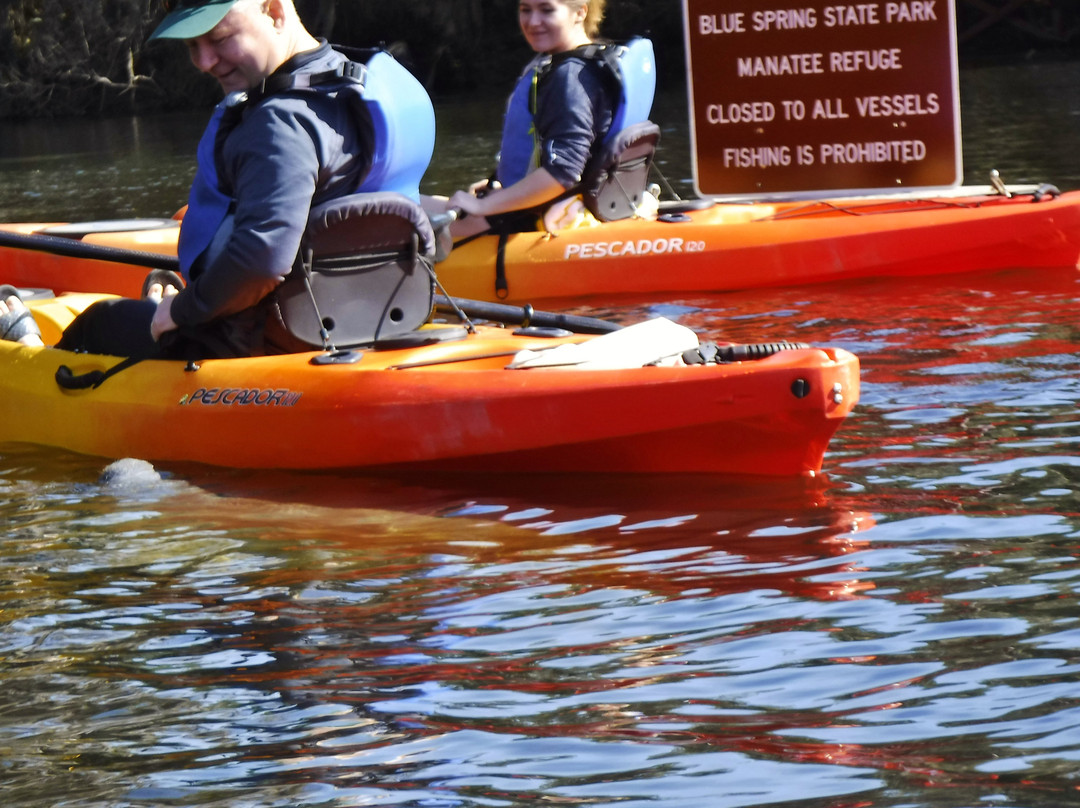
903,631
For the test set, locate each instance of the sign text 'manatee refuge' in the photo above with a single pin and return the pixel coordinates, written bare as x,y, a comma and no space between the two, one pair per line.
790,100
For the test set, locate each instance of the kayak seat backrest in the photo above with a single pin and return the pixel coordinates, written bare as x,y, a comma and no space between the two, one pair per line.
637,78
363,272
616,180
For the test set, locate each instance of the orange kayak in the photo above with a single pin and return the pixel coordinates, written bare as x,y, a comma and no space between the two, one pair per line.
729,247
492,400
721,247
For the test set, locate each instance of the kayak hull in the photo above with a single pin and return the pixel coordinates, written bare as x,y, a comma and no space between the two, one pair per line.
450,405
724,247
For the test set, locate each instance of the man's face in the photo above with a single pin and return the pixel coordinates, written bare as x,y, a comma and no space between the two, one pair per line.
243,49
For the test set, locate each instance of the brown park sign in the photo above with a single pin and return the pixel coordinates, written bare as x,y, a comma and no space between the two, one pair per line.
798,99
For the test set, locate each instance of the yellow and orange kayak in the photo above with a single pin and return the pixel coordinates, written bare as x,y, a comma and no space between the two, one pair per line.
492,399
721,247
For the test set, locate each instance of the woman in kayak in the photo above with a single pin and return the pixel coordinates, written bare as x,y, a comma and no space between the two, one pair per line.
560,110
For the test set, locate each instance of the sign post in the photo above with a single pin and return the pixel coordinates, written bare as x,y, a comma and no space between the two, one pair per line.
811,98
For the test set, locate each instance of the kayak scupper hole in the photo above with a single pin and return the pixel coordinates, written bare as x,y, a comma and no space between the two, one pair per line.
397,315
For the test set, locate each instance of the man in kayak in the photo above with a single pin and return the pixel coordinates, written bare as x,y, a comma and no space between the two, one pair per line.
281,142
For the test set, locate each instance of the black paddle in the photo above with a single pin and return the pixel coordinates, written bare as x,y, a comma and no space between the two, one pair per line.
496,312
525,316
72,248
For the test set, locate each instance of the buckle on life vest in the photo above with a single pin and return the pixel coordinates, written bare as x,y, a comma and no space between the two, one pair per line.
353,71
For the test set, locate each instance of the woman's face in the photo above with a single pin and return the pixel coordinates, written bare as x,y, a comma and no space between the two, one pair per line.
552,26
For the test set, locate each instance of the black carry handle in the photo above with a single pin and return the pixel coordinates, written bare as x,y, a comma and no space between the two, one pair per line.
66,378
91,380
710,352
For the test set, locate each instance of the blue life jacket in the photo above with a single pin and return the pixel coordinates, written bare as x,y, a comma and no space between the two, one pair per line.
519,147
404,123
208,206
632,66
402,119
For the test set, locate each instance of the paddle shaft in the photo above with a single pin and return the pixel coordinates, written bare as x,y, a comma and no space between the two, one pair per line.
496,312
524,315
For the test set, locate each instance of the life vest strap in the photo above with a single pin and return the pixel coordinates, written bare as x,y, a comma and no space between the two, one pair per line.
354,72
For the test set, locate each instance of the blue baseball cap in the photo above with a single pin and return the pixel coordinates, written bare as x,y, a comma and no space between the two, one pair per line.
187,19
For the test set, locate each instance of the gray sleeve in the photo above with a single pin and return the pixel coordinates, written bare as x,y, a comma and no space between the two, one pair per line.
574,111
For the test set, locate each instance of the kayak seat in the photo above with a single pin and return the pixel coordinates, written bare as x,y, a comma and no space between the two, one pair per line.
615,182
363,272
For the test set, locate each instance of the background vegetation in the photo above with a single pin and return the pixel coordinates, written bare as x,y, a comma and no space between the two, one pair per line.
89,57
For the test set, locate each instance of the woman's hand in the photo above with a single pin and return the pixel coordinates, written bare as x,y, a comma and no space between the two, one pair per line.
481,187
537,188
465,201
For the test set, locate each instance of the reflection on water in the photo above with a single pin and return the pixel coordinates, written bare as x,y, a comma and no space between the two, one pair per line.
902,632
1023,120
94,169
